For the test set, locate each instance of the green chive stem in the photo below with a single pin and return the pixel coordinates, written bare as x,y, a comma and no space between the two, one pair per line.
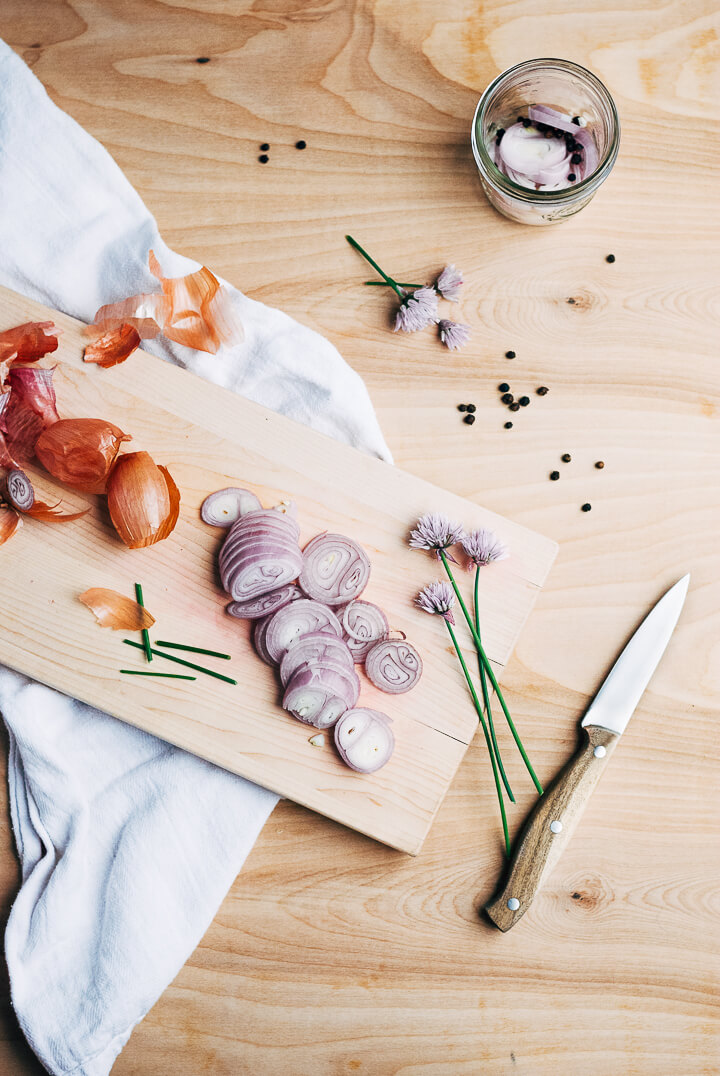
486,693
384,284
192,649
388,279
167,676
145,633
491,674
478,707
181,661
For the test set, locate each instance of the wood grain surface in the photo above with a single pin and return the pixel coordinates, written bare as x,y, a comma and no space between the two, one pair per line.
332,954
210,439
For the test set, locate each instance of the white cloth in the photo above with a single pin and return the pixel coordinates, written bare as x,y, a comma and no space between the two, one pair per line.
127,845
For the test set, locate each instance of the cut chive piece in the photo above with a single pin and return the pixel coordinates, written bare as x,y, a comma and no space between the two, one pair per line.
181,661
167,676
384,284
192,649
145,634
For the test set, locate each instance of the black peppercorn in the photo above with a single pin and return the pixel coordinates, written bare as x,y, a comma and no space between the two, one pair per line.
524,401
504,387
471,409
572,177
566,458
265,147
263,158
554,475
507,398
587,508
610,258
462,407
520,119
469,419
576,158
301,144
577,120
543,390
203,60
526,123
509,354
514,407
599,465
508,425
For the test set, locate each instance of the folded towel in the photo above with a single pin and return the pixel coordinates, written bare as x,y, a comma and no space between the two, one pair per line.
127,845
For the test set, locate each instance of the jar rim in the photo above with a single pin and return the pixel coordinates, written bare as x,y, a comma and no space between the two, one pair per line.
487,165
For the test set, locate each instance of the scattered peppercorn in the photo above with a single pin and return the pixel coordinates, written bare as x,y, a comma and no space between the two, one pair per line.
610,258
520,119
203,60
599,465
524,401
504,387
572,177
509,354
514,406
263,158
471,408
587,508
265,147
578,120
462,407
554,475
526,123
508,425
469,419
543,390
301,144
507,398
576,159
566,458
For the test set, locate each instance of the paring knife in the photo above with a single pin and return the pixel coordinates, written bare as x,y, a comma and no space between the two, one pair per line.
558,811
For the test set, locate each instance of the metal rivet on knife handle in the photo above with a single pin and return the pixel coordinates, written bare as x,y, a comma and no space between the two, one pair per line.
556,826
600,751
513,904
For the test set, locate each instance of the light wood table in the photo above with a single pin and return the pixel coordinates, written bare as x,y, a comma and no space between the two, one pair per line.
332,954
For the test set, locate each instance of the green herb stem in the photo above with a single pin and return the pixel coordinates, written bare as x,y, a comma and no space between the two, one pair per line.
491,674
145,633
486,693
388,279
192,649
167,676
384,284
481,718
181,661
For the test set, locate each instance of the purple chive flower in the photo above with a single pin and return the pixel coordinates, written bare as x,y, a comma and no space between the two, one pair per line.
434,532
453,334
437,598
449,283
417,311
483,547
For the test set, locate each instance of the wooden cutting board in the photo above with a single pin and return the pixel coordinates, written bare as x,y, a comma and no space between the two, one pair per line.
209,438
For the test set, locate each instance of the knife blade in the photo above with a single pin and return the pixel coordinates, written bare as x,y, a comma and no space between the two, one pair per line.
558,811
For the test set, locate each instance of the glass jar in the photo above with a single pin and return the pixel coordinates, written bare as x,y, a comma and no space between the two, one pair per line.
567,88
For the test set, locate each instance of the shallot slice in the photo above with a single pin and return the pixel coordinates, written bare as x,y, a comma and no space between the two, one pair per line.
331,678
314,705
265,604
364,625
393,666
295,620
116,611
553,118
315,646
18,491
364,739
335,569
258,638
223,508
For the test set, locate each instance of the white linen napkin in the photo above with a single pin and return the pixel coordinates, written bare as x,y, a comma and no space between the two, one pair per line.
127,845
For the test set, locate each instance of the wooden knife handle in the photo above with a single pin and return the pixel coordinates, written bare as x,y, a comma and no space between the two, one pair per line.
550,827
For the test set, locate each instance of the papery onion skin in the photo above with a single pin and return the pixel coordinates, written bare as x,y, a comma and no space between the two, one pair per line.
9,523
80,452
142,499
335,569
116,611
29,408
364,739
32,340
113,347
394,666
54,513
226,506
17,490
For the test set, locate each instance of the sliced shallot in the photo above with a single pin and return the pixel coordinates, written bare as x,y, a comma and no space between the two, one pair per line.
364,739
295,620
260,554
315,647
265,604
335,569
224,507
18,491
116,611
364,624
260,628
393,666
